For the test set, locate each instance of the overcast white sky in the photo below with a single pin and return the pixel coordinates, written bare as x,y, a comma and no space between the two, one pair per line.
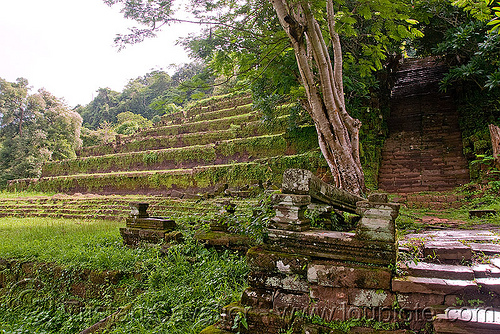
66,46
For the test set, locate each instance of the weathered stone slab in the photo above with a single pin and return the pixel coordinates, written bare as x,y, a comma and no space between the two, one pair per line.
487,249
258,298
135,236
481,213
304,182
410,284
222,240
291,283
495,262
329,295
332,245
340,275
454,235
297,302
151,223
262,260
468,321
418,301
448,250
485,271
446,271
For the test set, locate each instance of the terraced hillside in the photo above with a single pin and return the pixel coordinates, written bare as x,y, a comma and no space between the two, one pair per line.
218,144
114,207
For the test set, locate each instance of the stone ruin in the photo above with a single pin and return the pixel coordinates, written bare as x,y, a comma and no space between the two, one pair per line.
341,276
335,275
143,229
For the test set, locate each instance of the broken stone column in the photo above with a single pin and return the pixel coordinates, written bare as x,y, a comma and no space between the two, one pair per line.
378,219
140,228
290,212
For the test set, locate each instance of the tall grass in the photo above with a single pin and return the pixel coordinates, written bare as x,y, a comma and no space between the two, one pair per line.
82,243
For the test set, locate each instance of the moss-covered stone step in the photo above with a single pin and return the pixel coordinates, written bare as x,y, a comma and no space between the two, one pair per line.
166,182
222,113
210,125
132,144
234,111
219,102
240,149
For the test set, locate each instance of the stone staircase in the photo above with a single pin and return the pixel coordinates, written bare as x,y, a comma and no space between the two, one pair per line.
424,148
457,279
217,144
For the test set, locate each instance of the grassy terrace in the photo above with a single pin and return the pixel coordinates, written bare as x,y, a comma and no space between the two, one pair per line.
210,125
103,207
249,148
164,181
130,144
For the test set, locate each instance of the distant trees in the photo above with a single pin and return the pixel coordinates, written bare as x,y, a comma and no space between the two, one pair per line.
153,94
34,128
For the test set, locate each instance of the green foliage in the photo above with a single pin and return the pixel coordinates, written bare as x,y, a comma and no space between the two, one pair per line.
105,135
347,325
33,129
153,94
252,223
87,244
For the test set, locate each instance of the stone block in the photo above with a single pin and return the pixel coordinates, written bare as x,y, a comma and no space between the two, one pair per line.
377,198
332,245
489,284
468,321
329,295
377,222
439,286
370,297
339,275
448,251
290,212
481,213
262,260
485,271
418,301
446,271
291,199
151,223
134,236
304,182
291,283
487,249
258,298
283,302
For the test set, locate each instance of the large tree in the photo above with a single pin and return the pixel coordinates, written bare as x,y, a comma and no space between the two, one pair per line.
314,30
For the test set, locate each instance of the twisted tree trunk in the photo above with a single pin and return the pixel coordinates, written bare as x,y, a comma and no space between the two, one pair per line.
338,132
